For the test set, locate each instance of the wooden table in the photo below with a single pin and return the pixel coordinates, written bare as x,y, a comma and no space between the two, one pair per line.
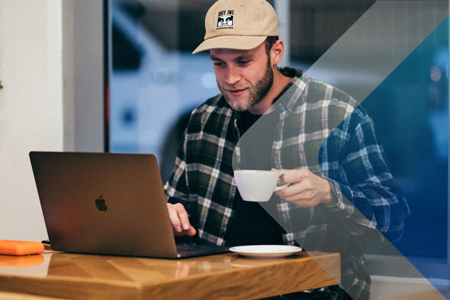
224,276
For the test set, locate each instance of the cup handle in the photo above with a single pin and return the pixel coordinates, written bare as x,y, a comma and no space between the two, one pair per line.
279,188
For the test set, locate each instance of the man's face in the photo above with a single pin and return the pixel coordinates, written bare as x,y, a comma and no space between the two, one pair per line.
243,76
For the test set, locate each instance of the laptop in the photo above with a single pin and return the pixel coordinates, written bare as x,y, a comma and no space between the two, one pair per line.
105,203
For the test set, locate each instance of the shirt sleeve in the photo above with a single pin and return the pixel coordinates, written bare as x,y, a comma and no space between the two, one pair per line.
369,201
177,191
176,187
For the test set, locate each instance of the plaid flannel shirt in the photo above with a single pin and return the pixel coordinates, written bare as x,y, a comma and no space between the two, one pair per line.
321,129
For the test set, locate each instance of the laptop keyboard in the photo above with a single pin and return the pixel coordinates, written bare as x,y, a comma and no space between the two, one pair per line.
189,250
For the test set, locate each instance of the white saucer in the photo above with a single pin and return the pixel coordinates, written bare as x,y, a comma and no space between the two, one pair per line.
266,251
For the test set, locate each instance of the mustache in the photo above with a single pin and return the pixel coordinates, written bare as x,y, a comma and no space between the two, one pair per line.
233,86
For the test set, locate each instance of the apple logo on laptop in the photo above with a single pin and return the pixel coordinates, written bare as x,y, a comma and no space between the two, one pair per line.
100,203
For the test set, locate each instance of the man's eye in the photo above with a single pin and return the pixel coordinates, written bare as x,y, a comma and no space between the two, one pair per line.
219,64
243,62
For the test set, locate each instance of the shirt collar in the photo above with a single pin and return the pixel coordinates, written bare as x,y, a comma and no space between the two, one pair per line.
289,99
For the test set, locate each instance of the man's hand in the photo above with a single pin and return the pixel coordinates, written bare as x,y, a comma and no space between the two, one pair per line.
180,220
305,188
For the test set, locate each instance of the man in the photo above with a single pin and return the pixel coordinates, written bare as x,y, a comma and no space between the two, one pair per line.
340,191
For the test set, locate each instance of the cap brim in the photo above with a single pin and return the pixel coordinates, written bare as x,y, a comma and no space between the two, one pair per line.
231,42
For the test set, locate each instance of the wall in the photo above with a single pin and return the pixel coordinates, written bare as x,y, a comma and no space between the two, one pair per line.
30,108
51,69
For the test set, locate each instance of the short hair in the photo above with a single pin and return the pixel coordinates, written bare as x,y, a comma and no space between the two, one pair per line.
270,40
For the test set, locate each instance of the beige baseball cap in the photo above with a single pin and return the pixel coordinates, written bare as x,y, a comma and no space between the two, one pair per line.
238,24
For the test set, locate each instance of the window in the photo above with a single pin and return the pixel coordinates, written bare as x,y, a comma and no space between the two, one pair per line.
155,80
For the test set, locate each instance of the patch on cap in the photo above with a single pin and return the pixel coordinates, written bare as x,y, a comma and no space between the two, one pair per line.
225,19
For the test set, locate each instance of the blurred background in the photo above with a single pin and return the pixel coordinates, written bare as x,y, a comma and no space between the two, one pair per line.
155,82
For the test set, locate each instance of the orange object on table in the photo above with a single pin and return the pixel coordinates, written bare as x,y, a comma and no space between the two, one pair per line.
21,261
12,247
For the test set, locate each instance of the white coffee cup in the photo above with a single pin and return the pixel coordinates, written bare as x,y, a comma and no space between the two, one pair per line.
256,185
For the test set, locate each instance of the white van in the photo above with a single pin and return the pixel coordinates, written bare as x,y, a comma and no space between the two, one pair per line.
151,87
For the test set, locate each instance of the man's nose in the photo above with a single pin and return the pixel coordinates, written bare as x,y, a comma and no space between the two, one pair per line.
232,75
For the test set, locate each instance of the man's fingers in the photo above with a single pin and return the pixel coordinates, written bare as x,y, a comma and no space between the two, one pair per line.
191,231
294,176
174,218
180,220
183,216
178,216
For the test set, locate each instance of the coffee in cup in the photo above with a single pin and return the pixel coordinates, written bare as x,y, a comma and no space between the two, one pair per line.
257,185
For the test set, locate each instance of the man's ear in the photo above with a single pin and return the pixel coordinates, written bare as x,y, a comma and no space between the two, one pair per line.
276,53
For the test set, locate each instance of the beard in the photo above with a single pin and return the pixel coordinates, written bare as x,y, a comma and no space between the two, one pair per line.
257,91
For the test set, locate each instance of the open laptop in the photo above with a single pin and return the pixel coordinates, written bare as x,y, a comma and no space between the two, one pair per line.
104,203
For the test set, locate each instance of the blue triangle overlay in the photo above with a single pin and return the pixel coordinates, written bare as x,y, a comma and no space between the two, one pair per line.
410,112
